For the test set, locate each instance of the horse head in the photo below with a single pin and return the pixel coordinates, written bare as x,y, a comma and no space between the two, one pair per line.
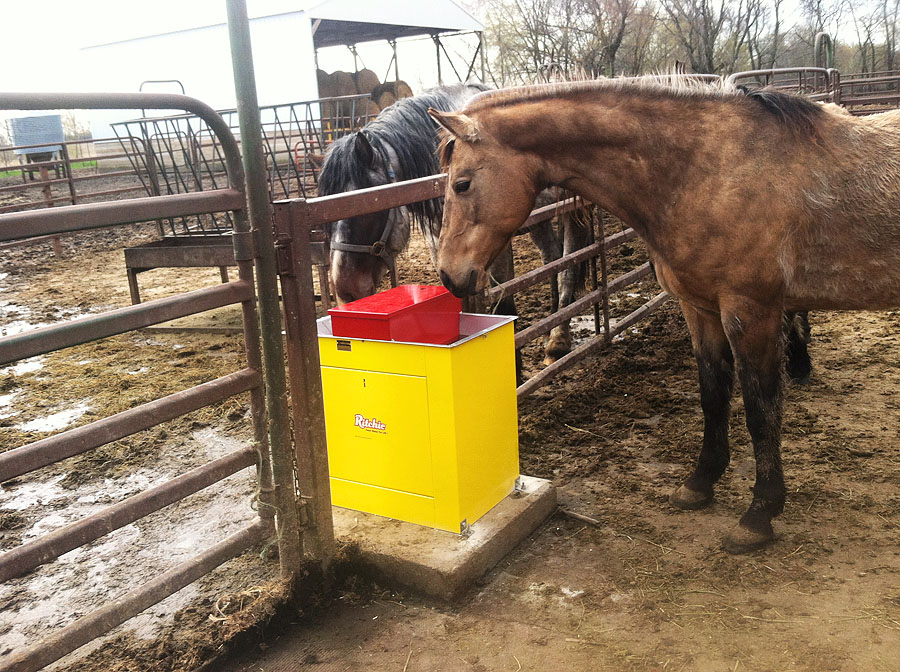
491,189
363,248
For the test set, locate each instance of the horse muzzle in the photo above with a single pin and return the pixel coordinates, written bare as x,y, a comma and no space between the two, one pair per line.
467,287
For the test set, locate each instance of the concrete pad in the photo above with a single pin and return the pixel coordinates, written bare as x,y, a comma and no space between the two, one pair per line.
442,564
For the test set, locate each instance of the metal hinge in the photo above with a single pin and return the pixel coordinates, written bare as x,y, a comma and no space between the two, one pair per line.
242,242
519,485
464,528
284,258
303,514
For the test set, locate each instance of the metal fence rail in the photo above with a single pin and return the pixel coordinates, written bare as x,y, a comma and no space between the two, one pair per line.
816,83
272,468
81,162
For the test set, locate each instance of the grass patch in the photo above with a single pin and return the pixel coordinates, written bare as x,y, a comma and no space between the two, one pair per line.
76,165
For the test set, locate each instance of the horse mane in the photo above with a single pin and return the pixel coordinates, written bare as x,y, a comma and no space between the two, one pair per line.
684,86
792,110
410,133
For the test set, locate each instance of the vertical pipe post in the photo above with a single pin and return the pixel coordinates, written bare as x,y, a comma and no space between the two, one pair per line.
592,265
437,53
604,279
481,47
288,519
48,199
396,62
292,226
67,163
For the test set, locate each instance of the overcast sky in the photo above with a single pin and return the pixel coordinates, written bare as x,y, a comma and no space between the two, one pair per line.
50,33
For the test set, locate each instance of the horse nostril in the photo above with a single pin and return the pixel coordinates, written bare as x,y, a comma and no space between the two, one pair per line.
460,291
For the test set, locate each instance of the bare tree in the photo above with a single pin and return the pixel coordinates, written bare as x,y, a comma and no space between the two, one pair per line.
890,16
605,25
631,37
531,35
697,25
74,128
865,37
765,38
638,41
715,34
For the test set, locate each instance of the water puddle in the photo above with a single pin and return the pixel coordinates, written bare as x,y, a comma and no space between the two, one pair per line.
55,421
6,404
15,319
29,365
22,496
46,599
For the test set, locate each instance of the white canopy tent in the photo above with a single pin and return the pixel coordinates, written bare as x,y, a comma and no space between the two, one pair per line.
185,44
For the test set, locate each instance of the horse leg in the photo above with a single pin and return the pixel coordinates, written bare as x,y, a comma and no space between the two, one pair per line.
799,365
575,237
562,287
715,365
754,331
545,239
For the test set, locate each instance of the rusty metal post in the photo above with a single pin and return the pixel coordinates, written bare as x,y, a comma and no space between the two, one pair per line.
437,52
604,280
67,163
288,519
292,227
48,201
592,264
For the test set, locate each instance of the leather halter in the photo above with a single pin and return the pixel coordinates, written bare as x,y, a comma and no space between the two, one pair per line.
379,247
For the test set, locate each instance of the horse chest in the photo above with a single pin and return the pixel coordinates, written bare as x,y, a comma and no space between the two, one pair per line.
684,286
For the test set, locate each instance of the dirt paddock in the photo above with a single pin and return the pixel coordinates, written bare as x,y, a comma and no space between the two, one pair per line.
645,587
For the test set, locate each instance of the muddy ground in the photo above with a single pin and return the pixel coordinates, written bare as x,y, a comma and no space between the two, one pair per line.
644,588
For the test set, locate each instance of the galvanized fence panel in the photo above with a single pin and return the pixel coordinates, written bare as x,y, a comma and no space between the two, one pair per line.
179,153
274,469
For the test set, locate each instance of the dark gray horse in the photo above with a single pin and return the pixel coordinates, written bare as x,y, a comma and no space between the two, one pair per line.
401,144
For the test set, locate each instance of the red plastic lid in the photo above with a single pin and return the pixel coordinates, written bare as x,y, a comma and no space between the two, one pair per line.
391,301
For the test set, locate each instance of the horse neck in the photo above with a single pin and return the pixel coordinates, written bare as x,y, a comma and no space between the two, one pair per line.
628,153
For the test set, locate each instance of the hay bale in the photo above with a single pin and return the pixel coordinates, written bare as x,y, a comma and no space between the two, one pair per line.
373,109
398,90
366,81
342,84
386,99
323,79
402,90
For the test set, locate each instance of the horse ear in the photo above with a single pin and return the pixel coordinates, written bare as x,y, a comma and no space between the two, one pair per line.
457,124
363,149
316,160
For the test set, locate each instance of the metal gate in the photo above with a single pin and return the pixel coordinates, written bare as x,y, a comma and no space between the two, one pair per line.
272,452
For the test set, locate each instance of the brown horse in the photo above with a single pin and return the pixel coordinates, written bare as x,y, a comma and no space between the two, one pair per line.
750,205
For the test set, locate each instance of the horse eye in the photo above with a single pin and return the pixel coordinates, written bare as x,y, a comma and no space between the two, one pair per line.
461,186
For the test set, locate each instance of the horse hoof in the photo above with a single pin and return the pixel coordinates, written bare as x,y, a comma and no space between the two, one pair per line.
744,540
799,378
690,500
553,354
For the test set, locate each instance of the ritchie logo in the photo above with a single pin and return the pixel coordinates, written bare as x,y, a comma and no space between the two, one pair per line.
374,424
